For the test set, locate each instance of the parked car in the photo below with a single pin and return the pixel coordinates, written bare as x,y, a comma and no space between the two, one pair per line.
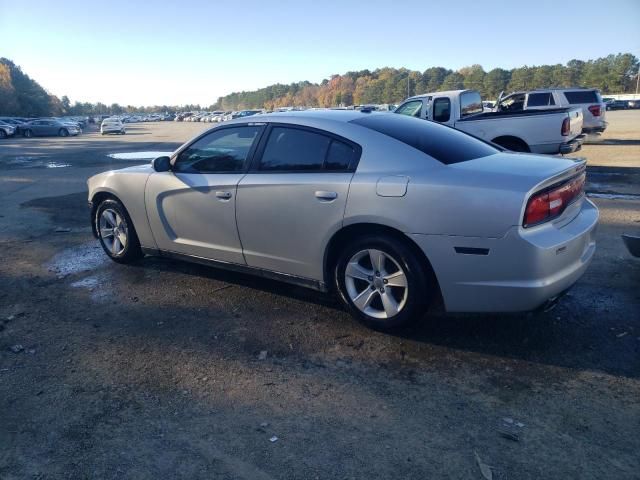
6,130
613,104
588,99
633,103
15,122
388,211
538,131
112,125
44,127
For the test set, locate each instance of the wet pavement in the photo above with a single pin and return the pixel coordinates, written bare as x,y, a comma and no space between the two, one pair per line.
170,370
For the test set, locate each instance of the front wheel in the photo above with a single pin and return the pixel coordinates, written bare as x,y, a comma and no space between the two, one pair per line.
116,232
3,134
28,133
63,132
382,282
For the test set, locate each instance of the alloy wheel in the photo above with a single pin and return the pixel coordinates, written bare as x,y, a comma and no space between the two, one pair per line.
113,231
376,283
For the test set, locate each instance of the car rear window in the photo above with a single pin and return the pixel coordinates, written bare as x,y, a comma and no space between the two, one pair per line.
445,144
582,96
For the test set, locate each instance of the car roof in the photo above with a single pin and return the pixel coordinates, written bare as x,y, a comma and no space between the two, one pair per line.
445,93
332,115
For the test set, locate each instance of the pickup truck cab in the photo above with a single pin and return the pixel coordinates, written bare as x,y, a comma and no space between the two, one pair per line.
539,131
588,99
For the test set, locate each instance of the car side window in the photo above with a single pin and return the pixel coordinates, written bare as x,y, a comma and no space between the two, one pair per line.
340,157
221,151
290,149
411,109
441,109
540,99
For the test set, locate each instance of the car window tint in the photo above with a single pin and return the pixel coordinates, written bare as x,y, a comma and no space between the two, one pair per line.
340,156
445,144
291,149
582,96
540,99
412,109
441,109
224,150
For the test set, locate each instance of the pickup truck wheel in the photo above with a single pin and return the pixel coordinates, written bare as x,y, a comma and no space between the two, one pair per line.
382,282
116,232
512,144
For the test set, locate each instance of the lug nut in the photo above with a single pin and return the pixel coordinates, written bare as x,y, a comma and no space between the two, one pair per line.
385,281
382,290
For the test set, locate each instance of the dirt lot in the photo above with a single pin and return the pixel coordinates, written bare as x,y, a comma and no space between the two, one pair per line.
155,370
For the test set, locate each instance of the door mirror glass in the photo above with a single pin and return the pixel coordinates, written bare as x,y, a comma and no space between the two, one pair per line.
162,164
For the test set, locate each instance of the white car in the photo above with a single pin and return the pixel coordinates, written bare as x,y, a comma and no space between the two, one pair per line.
112,125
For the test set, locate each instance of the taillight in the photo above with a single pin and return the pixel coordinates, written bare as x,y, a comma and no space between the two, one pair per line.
595,110
551,202
566,127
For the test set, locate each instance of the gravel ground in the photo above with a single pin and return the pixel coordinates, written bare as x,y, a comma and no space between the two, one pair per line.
172,370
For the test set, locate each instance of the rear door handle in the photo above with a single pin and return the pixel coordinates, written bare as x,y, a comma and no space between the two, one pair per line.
326,196
223,195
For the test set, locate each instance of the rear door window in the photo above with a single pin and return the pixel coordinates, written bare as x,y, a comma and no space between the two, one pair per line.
441,109
582,96
540,99
299,150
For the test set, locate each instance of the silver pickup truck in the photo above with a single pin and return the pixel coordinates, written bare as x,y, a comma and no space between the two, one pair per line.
548,131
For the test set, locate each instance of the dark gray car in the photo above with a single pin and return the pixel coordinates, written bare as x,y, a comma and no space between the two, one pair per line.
45,127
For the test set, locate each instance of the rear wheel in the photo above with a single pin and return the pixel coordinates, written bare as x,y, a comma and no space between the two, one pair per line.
513,144
116,232
382,282
28,133
3,134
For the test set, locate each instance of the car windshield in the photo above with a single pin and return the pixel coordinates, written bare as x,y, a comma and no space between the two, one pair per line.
443,143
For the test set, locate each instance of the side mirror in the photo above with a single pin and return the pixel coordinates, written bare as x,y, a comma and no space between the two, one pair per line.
161,164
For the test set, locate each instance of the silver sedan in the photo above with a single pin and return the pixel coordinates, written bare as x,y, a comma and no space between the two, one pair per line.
389,212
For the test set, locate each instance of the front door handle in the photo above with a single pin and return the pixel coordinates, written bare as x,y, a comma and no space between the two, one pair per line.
223,195
326,196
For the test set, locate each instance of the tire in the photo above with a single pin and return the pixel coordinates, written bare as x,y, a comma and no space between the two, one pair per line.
122,132
3,134
125,246
63,132
28,133
364,283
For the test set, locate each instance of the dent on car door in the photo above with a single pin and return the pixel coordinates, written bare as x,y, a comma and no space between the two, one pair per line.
191,208
293,199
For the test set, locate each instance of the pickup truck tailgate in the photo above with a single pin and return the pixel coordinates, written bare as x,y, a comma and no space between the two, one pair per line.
576,118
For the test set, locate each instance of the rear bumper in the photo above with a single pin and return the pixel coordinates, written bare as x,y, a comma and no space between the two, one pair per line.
596,129
520,272
572,146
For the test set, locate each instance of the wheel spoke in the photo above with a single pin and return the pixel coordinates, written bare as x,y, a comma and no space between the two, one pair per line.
106,232
355,270
115,246
364,298
110,218
377,260
122,238
396,279
389,303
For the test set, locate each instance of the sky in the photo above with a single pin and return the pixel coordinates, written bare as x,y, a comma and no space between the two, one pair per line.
193,51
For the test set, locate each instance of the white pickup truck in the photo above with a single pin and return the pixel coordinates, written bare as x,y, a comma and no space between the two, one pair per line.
539,131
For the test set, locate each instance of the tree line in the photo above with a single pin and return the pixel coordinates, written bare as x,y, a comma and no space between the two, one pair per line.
22,96
610,74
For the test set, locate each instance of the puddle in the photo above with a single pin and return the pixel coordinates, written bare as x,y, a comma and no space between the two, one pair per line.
82,258
138,155
33,162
